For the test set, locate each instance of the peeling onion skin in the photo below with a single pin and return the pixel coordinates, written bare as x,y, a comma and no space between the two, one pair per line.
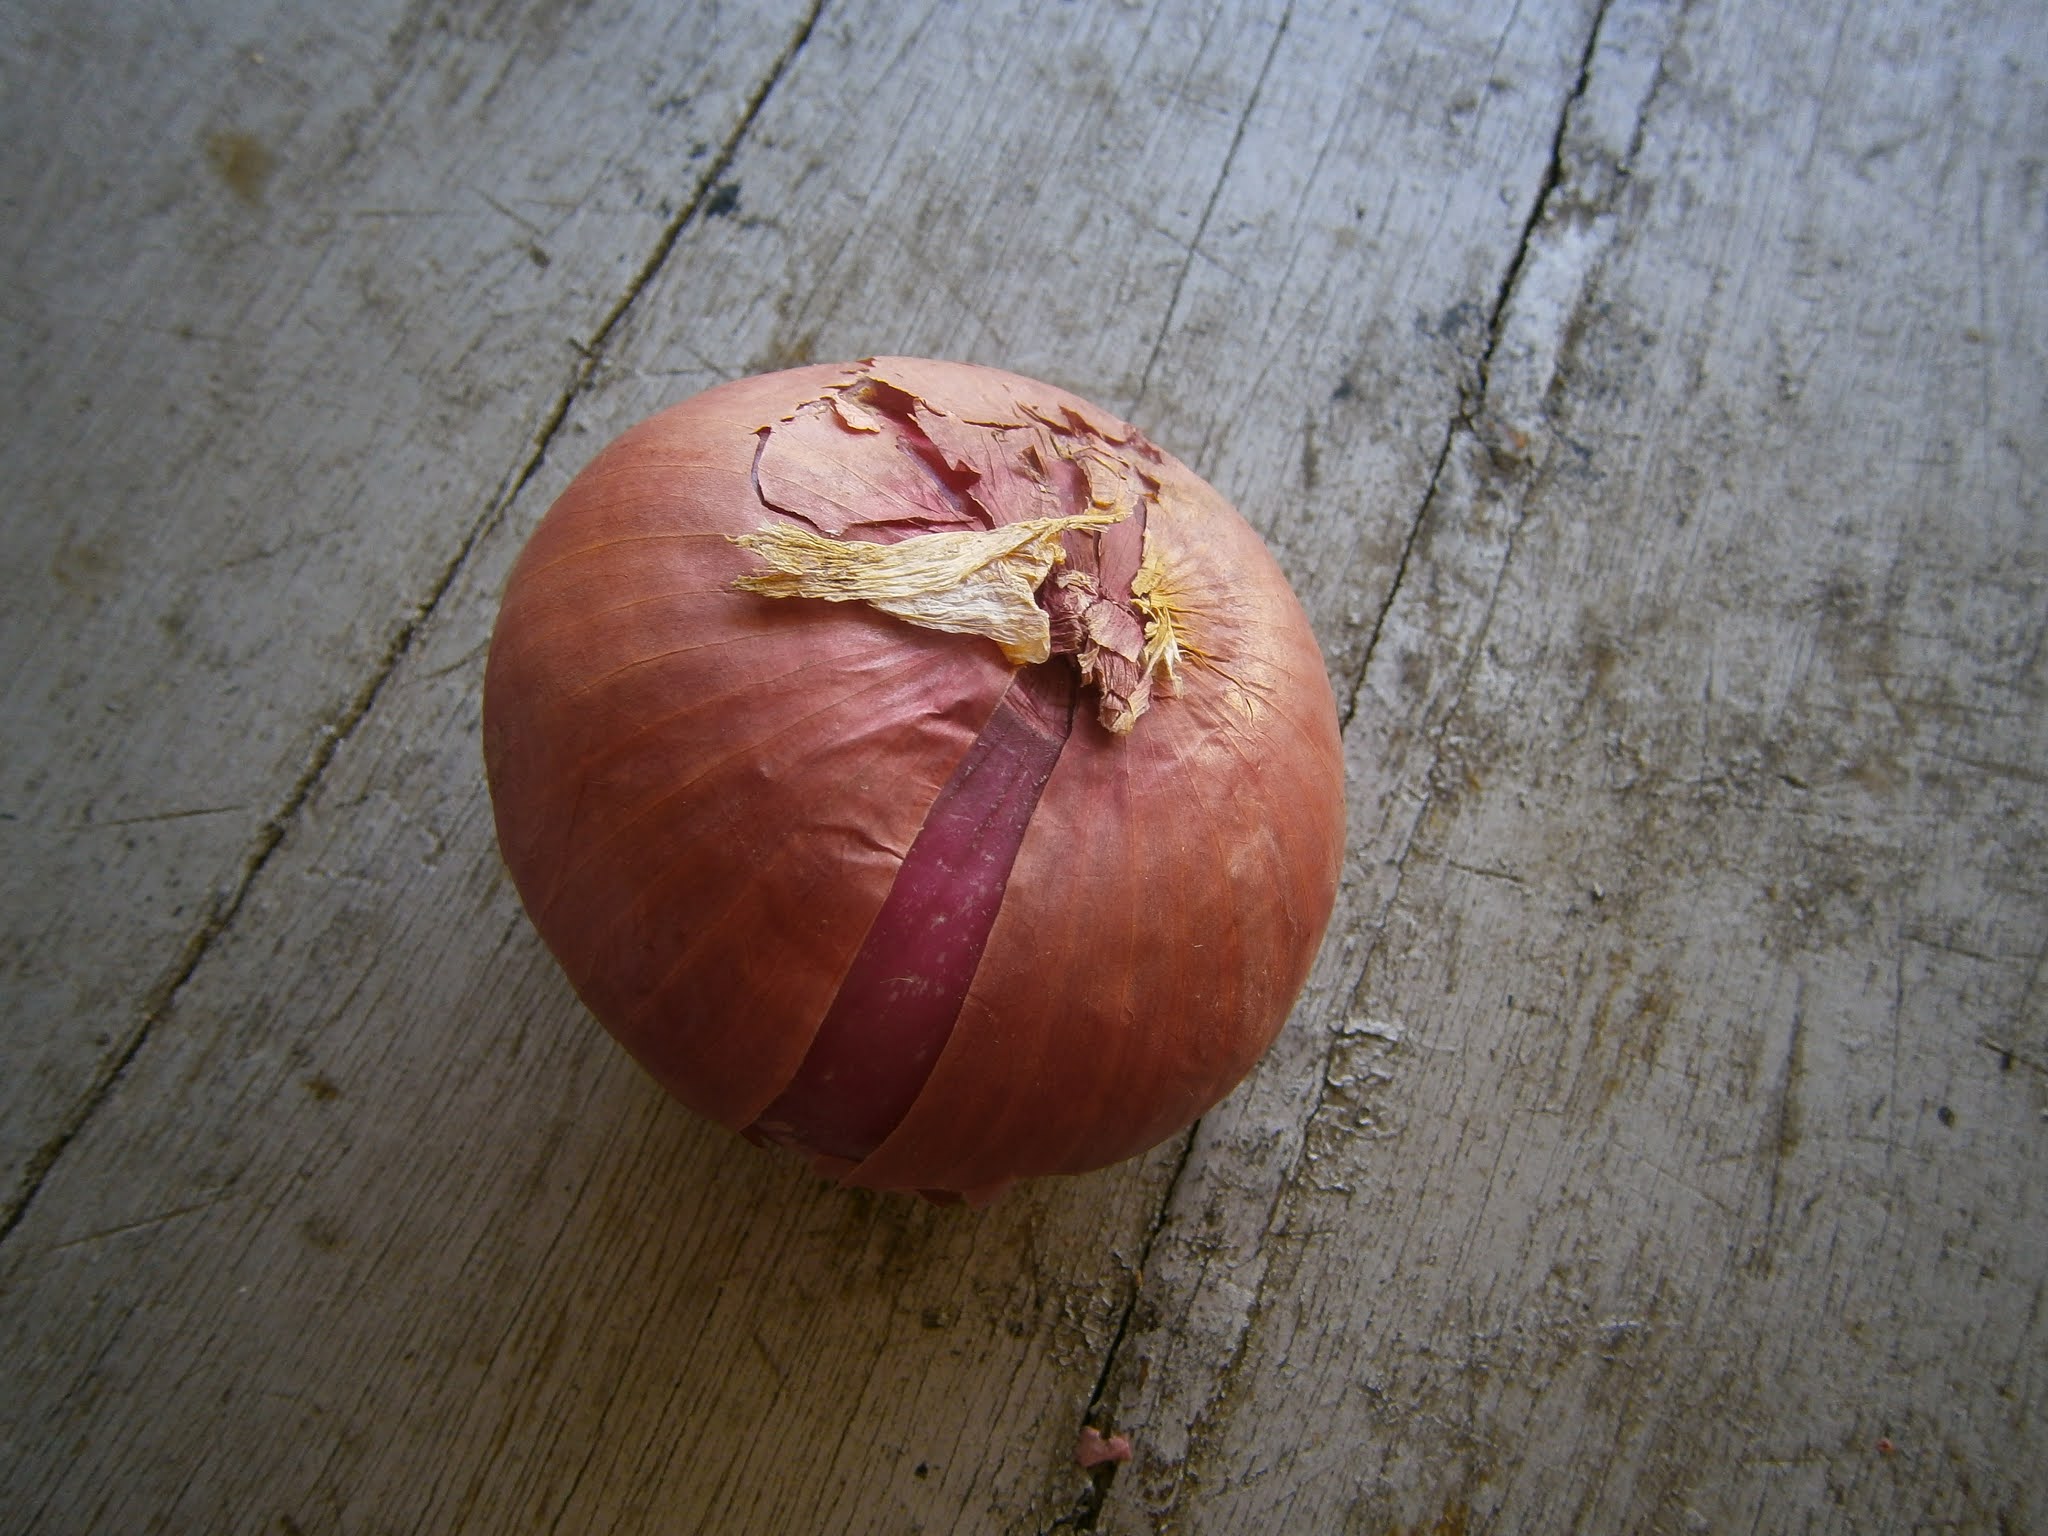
703,796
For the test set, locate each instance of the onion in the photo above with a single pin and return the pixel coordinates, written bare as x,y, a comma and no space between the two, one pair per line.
912,765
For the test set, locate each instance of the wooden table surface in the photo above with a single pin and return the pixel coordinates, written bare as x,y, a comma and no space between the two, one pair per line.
1649,400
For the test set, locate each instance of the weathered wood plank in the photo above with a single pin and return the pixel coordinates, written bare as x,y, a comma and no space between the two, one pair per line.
291,295
1672,1160
374,1230
1664,1127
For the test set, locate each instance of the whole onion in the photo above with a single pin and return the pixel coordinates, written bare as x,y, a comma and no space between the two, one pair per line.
912,765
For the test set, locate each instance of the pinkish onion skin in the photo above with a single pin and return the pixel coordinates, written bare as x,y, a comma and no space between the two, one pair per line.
1096,1448
708,798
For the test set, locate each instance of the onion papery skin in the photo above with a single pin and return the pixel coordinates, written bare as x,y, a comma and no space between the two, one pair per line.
704,795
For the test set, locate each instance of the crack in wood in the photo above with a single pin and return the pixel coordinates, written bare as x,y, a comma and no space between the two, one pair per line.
1088,1507
2010,1057
149,818
139,1224
1465,424
1209,210
1553,178
1408,543
1784,1127
1472,400
158,1001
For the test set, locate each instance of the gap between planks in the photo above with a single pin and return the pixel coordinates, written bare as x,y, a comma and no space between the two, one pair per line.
1187,264
1472,402
159,1000
1464,423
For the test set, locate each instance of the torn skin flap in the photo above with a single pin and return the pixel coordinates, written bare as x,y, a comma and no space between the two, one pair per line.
839,464
955,521
1017,470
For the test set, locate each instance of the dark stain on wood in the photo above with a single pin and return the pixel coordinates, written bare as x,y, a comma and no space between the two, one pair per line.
242,161
1455,1520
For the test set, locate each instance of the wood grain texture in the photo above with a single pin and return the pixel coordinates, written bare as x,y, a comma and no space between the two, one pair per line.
1659,1168
1648,398
291,297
